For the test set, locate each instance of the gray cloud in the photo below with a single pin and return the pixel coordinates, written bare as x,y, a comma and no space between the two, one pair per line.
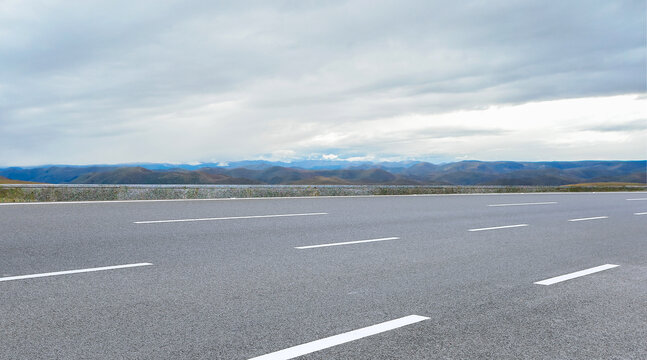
78,74
630,126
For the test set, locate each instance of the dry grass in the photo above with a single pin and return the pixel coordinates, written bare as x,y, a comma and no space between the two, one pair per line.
604,186
608,184
4,180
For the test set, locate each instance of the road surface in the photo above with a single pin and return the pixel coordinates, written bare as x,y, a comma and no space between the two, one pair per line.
510,276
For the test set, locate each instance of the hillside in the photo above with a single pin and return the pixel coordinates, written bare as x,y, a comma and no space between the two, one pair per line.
52,174
139,175
413,173
4,180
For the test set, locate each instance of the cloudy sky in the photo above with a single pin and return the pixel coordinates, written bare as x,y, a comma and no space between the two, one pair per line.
88,82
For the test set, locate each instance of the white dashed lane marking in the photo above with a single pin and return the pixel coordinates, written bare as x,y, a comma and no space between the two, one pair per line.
68,272
576,274
589,218
307,348
498,227
524,204
227,218
346,243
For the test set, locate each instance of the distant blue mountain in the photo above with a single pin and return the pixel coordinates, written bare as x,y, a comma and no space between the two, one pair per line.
341,172
264,164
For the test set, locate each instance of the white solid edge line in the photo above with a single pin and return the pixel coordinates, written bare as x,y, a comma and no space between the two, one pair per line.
67,272
499,227
639,199
314,197
576,274
642,213
227,218
590,218
345,243
307,348
521,204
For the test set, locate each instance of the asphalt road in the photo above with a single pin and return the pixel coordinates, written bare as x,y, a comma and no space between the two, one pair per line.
234,281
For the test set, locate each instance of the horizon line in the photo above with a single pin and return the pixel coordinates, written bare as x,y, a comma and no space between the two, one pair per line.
227,163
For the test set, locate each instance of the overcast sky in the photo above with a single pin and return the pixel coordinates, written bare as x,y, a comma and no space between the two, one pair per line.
98,82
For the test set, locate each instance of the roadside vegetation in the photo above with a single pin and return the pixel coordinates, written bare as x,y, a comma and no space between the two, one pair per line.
22,193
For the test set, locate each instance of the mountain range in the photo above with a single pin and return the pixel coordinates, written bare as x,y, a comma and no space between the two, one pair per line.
342,173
